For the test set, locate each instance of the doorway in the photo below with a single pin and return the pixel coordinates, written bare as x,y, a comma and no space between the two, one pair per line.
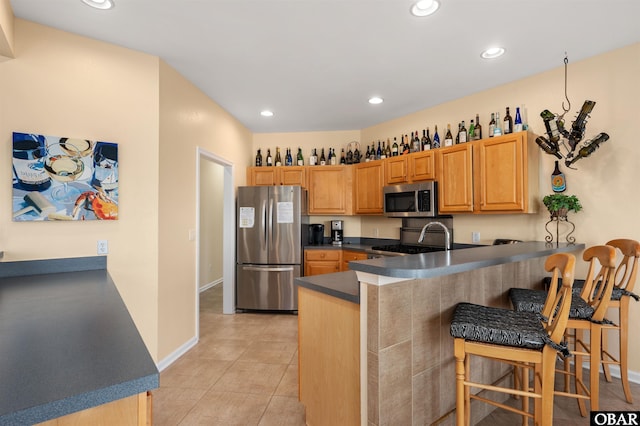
214,175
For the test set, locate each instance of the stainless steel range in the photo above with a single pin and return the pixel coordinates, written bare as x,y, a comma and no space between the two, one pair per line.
434,238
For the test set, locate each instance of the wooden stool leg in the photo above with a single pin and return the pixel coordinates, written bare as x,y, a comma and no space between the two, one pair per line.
524,386
460,377
578,360
605,347
624,347
537,388
548,375
594,374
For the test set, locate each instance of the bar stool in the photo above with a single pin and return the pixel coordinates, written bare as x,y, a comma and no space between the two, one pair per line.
624,282
586,314
519,338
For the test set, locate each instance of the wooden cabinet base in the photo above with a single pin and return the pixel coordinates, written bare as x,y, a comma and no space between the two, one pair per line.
328,358
132,411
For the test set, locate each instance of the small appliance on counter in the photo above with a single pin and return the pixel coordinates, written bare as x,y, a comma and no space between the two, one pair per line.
316,234
337,233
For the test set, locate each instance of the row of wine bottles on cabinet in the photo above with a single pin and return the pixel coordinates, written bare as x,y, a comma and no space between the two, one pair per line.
407,144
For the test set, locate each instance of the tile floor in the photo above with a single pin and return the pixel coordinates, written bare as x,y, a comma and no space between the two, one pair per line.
244,372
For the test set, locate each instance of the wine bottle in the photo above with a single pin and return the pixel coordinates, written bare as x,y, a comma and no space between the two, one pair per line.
478,134
558,181
367,155
323,160
416,143
588,148
356,156
436,139
269,158
423,140
313,158
407,145
497,130
343,160
462,134
378,152
394,148
426,145
448,137
517,124
492,125
259,159
372,153
278,157
300,157
551,126
288,158
350,156
388,151
472,131
549,147
508,123
29,154
383,153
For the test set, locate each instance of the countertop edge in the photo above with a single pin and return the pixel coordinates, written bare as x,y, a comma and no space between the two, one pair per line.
341,285
51,266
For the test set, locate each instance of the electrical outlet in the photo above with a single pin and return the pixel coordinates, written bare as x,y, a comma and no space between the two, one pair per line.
475,237
103,247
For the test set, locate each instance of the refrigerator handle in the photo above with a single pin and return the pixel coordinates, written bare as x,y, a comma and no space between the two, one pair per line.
264,225
268,268
270,225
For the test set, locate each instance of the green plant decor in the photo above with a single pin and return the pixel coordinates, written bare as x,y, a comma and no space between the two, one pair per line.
560,204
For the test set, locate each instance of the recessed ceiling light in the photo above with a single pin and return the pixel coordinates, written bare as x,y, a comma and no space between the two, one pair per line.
424,7
266,113
100,4
375,100
492,53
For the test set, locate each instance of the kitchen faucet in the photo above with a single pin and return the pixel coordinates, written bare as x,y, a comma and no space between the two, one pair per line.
447,236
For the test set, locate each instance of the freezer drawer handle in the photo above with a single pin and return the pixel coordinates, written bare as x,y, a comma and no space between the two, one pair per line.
268,269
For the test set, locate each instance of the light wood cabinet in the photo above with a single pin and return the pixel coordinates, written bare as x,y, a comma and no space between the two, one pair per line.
368,181
422,166
134,411
281,175
317,262
330,189
396,169
494,175
350,255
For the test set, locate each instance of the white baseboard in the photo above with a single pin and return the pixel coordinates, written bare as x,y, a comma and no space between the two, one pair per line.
211,284
173,357
634,376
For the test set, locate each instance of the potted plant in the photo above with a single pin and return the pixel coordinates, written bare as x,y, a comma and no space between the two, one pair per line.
560,204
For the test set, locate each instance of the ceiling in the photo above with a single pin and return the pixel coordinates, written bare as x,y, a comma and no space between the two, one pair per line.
315,63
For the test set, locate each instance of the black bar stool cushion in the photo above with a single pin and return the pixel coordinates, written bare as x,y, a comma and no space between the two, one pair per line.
525,300
616,293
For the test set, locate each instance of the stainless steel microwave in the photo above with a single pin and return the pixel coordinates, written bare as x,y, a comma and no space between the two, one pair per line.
411,200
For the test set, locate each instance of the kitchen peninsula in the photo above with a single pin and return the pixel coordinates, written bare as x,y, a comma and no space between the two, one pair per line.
374,344
70,352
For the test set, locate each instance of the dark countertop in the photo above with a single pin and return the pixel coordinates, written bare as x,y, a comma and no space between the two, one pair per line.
67,341
350,246
343,285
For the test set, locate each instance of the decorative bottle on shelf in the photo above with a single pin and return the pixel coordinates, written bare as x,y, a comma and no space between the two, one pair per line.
394,148
367,155
436,139
343,160
478,132
407,145
448,137
426,143
356,155
383,152
416,143
462,134
288,158
492,125
350,156
558,181
323,160
497,130
378,152
259,158
269,158
508,123
388,151
278,158
300,159
313,158
472,131
517,124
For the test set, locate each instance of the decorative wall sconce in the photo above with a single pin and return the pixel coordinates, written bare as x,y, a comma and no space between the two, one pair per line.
569,139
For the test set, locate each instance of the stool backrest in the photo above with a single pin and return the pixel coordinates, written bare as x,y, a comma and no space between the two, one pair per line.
599,284
556,307
627,269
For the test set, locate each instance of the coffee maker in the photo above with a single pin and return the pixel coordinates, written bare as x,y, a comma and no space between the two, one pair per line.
336,232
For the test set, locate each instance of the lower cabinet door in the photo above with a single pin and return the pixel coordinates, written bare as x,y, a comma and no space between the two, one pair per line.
267,287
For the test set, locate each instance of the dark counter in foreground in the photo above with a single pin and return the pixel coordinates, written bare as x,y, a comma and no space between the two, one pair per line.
67,341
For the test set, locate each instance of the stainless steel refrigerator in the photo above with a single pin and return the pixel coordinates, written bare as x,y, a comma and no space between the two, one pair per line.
270,238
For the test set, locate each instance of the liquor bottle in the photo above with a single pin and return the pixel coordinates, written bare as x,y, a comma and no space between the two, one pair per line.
492,125
342,159
269,158
300,157
508,123
416,143
278,158
426,144
478,133
394,148
388,151
258,159
517,124
558,181
472,132
313,158
378,152
497,130
436,139
323,160
462,134
288,158
448,138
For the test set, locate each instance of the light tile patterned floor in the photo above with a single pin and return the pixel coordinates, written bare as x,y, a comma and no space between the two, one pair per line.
244,372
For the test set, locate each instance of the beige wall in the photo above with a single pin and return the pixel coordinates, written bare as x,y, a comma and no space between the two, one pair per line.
188,120
6,31
64,85
211,223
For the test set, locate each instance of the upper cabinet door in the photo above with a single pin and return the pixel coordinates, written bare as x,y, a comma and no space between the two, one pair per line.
292,175
455,179
396,169
422,166
367,191
329,189
262,176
